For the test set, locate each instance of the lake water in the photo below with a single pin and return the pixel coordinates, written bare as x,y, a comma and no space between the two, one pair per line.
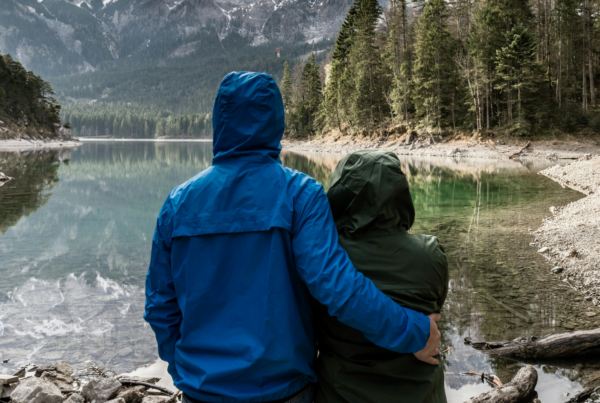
76,228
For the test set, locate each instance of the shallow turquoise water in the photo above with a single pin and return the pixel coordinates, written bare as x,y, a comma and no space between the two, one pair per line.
75,232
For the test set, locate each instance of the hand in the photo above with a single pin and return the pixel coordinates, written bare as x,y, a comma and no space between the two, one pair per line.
431,348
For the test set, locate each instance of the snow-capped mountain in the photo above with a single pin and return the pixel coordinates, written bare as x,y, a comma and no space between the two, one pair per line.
57,37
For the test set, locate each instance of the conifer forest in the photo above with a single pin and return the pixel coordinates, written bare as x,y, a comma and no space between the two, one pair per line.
514,67
25,97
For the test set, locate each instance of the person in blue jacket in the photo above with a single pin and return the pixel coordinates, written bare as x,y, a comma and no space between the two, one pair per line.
236,252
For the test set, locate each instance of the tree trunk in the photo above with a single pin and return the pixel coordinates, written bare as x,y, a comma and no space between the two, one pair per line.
561,345
520,389
591,63
559,67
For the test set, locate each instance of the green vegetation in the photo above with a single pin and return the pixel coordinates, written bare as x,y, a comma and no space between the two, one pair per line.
25,97
139,97
470,65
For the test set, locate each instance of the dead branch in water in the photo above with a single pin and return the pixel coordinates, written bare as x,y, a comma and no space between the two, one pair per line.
560,345
520,389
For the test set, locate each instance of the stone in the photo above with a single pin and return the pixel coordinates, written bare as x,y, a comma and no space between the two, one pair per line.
36,390
64,382
63,367
26,137
590,314
1,123
501,143
569,326
557,270
133,395
155,399
101,390
454,151
409,139
75,398
8,379
7,390
543,250
588,298
117,400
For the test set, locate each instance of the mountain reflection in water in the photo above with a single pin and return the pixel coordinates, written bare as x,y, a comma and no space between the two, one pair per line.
75,242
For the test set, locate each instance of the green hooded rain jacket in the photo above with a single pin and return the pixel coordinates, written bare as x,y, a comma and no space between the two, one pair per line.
373,212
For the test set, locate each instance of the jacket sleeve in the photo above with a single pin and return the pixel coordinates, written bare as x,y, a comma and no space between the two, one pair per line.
162,310
348,295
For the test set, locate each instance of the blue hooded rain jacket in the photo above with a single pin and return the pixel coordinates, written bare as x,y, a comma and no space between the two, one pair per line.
236,252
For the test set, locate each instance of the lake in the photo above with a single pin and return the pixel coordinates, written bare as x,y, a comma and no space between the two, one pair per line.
76,229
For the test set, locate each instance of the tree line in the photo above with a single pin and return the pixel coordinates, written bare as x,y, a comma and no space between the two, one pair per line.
517,66
25,97
128,120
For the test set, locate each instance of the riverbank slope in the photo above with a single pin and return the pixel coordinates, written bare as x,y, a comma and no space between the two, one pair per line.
570,238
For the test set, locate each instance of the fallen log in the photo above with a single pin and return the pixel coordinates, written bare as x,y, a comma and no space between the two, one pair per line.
582,396
517,154
561,345
520,390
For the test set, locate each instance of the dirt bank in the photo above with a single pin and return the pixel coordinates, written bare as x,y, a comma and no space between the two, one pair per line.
567,148
570,238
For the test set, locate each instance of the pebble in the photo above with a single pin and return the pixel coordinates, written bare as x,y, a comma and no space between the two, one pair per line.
590,314
557,270
543,250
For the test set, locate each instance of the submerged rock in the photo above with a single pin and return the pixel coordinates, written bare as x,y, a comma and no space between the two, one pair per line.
101,390
36,390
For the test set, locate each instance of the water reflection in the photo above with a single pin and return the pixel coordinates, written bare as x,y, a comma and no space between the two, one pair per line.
75,242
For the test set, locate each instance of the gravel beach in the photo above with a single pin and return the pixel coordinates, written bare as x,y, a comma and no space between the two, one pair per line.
570,237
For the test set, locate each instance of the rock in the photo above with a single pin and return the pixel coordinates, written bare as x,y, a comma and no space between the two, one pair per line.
62,133
155,399
63,367
101,390
588,298
569,326
7,390
26,137
8,379
64,382
501,143
557,270
543,250
553,209
133,395
409,139
75,398
1,123
454,151
590,314
117,400
36,390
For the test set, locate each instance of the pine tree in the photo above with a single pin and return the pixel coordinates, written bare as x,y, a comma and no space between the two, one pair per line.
286,87
515,68
432,66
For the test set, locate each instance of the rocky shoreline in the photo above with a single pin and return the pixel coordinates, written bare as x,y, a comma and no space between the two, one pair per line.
60,383
570,238
454,147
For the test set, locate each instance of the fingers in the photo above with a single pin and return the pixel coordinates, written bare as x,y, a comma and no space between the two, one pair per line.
435,317
432,361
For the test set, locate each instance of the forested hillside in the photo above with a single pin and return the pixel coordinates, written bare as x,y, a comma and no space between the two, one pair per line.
139,99
515,66
26,98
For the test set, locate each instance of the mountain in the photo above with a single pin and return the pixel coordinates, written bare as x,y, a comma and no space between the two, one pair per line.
64,37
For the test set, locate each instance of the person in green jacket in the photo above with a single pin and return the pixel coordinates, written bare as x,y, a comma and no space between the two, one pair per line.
373,212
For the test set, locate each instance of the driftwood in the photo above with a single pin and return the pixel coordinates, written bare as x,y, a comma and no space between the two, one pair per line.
581,343
520,390
516,155
148,385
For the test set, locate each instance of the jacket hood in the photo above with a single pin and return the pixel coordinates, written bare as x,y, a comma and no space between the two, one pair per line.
369,192
248,117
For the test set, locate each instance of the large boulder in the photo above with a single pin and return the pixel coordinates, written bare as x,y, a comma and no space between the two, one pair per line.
6,391
101,390
36,390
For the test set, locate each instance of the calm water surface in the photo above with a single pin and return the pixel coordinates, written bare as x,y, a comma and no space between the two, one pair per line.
76,227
